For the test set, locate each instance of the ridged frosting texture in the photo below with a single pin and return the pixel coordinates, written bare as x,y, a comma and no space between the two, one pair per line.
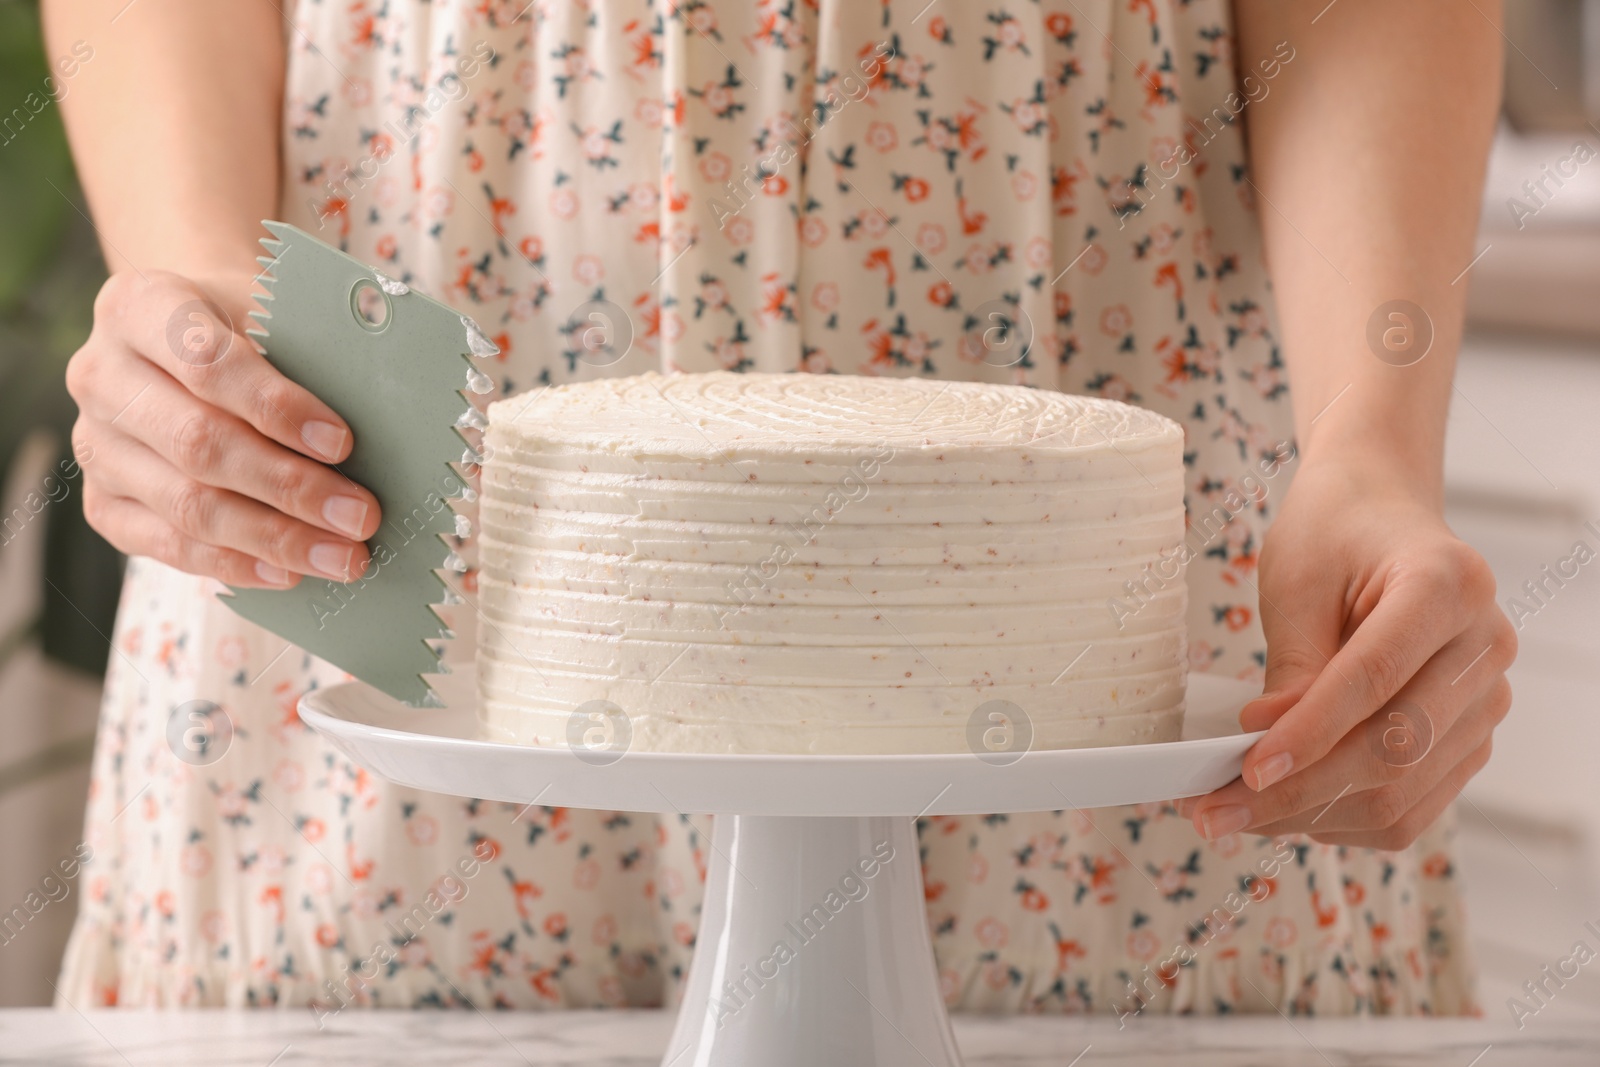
809,563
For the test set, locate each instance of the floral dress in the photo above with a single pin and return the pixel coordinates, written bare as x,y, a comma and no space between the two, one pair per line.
812,186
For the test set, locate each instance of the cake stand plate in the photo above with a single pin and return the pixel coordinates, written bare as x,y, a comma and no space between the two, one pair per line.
813,948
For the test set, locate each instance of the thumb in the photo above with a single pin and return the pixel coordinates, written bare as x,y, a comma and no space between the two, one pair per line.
1299,647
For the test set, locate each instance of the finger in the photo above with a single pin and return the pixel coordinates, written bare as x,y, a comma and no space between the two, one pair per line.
1418,613
1369,806
1404,832
135,530
218,449
1380,750
1298,650
226,519
190,337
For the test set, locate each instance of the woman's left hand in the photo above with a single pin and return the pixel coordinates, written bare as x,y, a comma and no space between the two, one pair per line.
1386,660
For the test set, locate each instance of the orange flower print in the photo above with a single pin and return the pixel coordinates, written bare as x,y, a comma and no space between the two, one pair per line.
360,870
990,932
422,830
971,221
1143,944
715,168
272,898
544,984
1007,34
739,231
813,231
1067,952
1116,321
825,296
1061,305
563,203
1095,259
1280,932
588,270
586,875
1436,865
882,136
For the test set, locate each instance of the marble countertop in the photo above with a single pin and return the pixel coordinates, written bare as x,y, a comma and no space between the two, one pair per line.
635,1039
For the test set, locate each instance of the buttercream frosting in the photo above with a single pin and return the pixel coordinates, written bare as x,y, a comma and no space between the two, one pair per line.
803,563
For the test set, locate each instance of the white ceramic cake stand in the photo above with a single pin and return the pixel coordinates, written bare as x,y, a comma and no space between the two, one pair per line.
813,948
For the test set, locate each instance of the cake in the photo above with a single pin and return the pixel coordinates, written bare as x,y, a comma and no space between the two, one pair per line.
795,563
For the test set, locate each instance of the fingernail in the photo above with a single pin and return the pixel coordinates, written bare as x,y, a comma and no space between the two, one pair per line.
1220,822
1185,807
1273,769
332,560
346,514
325,439
270,574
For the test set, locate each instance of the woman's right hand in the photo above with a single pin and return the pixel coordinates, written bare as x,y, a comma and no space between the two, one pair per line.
196,452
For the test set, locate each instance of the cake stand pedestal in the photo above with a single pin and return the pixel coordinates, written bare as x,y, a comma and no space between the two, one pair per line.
813,949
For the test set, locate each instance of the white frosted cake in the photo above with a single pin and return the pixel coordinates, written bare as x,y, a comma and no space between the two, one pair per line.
798,563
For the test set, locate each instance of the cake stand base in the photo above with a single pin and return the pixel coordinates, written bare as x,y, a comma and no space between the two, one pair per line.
813,949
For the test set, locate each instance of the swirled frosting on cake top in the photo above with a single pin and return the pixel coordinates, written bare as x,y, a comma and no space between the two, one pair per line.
803,563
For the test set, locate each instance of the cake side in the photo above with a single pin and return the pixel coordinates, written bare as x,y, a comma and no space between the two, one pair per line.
790,563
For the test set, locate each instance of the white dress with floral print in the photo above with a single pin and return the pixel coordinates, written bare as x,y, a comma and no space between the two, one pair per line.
824,186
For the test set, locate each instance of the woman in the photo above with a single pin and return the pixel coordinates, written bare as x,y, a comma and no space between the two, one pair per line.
817,187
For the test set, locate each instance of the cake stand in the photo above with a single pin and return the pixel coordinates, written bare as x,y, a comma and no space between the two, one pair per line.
813,948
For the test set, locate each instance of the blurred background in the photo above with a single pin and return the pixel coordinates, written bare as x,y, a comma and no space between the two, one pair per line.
1523,482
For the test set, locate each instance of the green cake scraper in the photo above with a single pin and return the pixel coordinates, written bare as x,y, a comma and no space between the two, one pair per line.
393,364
